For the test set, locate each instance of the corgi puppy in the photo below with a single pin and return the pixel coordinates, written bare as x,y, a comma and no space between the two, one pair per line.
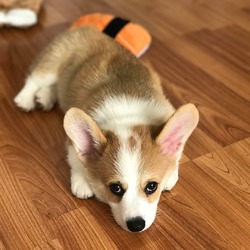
125,139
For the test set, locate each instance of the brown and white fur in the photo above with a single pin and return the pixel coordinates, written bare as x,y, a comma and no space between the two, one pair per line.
125,138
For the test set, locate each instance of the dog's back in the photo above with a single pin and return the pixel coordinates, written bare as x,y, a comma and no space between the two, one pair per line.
100,70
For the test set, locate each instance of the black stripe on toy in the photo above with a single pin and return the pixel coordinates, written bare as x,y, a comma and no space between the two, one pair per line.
114,27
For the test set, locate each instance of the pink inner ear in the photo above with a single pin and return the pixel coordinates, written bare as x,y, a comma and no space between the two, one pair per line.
171,143
84,140
177,131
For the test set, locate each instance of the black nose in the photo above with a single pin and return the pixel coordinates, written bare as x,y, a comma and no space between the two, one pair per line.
136,224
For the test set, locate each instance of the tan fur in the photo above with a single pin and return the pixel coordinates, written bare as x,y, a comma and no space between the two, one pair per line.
154,165
103,168
90,68
83,76
119,72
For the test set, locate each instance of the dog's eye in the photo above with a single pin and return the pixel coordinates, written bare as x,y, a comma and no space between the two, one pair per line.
117,189
151,187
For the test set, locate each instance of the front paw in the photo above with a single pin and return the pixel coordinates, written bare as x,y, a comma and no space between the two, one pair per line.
81,189
171,181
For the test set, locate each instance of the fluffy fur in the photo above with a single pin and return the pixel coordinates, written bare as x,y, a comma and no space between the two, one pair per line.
126,139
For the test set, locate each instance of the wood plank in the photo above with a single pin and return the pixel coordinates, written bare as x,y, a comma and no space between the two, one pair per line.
201,50
23,227
52,245
225,209
226,73
78,229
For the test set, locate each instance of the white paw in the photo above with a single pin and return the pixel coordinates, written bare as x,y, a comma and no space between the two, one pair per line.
81,189
25,101
171,180
45,98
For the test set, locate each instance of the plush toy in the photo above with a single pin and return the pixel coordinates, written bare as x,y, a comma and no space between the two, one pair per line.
132,36
19,13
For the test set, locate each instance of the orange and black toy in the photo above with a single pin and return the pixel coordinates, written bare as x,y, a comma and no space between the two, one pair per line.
131,35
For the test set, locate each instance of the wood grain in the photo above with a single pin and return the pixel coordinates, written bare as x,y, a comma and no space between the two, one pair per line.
201,50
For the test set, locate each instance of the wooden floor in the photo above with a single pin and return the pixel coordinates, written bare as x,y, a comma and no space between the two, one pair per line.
201,50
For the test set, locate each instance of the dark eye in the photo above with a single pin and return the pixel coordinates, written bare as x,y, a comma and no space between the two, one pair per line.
151,187
116,189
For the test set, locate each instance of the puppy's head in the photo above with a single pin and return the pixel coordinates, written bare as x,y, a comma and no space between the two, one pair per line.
129,167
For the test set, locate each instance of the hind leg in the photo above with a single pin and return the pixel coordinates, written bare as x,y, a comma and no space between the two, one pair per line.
46,97
40,87
49,66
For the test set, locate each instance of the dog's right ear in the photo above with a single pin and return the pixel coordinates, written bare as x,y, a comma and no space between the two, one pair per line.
84,133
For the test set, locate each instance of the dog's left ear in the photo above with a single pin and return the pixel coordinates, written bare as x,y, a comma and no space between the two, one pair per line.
84,133
178,128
